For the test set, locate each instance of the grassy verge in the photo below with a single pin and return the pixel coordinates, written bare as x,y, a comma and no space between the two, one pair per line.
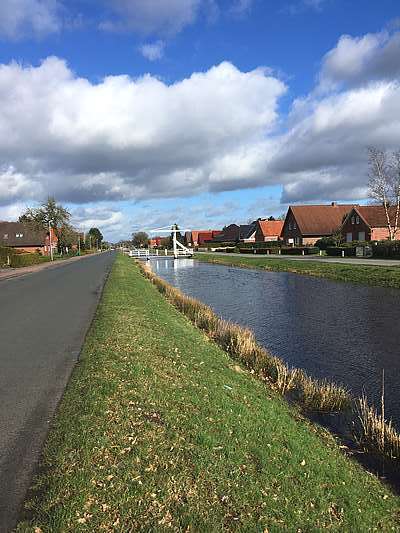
159,430
368,275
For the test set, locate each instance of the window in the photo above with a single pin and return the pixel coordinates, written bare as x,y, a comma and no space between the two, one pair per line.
19,235
294,225
357,220
290,226
353,220
5,236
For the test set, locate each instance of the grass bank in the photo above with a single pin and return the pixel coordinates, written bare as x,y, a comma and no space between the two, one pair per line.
160,430
368,275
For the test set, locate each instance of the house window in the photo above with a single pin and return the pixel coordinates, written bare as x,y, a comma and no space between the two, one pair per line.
357,220
294,225
5,236
19,235
353,220
290,226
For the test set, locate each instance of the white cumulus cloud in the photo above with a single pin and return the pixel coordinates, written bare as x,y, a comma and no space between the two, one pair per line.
134,138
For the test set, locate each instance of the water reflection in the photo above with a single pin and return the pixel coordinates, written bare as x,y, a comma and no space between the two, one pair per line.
344,332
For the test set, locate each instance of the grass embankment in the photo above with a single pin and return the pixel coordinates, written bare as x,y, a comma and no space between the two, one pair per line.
160,430
380,276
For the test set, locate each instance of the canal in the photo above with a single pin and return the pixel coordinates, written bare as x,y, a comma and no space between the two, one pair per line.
346,333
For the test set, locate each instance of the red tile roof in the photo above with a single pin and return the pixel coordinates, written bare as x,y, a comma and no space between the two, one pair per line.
375,216
320,219
271,228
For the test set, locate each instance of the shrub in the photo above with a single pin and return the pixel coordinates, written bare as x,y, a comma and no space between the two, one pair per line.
326,242
6,253
347,251
386,249
23,260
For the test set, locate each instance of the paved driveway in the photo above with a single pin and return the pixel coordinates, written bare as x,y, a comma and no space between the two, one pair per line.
44,318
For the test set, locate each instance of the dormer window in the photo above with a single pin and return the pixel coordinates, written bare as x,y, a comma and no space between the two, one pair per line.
5,236
353,220
19,235
357,220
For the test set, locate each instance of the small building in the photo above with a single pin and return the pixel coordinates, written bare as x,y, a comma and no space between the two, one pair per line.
268,230
23,238
199,237
155,242
305,224
230,234
368,223
247,232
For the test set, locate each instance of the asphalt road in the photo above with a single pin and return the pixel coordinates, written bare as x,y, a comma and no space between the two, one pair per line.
44,318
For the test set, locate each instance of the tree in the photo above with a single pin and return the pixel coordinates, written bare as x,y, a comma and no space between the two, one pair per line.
384,185
50,215
95,237
140,239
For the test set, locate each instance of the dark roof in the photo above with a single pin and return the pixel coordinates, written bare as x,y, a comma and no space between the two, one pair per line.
247,230
319,219
375,216
229,234
29,237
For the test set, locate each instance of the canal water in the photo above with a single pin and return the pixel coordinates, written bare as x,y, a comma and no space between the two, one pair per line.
346,333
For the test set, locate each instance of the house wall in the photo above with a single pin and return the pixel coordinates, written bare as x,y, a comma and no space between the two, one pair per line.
381,234
291,230
352,228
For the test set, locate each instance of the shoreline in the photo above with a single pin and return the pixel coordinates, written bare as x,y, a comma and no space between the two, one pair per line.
376,276
159,428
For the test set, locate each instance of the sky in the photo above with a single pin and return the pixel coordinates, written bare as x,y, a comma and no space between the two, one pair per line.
137,114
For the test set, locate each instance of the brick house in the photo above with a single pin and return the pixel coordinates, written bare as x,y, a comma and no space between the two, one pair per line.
305,224
155,242
268,230
25,239
199,237
368,223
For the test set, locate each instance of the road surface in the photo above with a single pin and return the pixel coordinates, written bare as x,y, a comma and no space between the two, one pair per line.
318,259
44,317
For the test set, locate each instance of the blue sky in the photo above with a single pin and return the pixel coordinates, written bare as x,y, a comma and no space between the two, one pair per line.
141,113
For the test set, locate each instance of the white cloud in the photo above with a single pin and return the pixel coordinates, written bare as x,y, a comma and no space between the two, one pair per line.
134,139
161,17
358,60
19,18
153,51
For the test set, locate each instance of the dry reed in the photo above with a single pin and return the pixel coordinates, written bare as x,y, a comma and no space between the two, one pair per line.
377,433
240,343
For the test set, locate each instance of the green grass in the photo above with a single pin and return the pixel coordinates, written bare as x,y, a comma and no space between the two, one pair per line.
160,430
381,276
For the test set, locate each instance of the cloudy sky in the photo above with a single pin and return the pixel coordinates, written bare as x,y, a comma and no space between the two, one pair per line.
142,113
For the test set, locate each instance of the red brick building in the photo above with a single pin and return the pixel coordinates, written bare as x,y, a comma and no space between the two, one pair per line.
306,224
24,239
368,223
268,230
199,237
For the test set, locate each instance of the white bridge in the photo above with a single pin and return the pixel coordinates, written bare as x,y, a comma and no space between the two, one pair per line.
178,249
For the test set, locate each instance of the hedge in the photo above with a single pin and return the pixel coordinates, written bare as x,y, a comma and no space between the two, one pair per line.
386,249
23,260
341,251
5,253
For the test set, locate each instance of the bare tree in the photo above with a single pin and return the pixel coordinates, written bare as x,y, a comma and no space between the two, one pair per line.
384,185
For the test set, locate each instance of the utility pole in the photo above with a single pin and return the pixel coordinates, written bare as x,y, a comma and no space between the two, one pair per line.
50,243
